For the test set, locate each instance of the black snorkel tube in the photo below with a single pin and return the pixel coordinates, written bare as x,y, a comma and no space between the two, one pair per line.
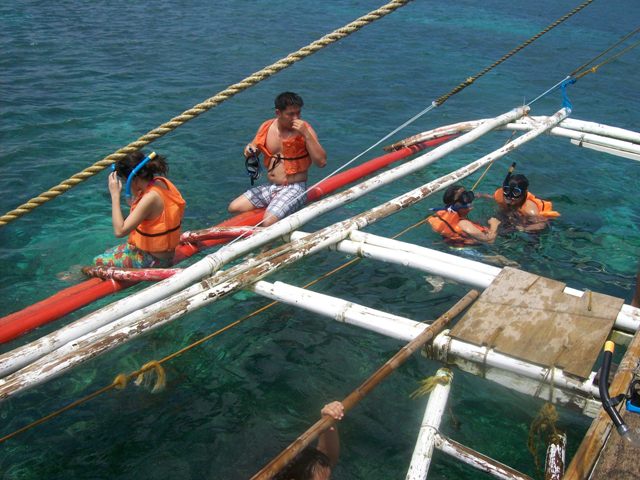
505,182
607,402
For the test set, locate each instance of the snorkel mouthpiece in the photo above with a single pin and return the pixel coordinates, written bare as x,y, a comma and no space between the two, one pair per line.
145,160
505,182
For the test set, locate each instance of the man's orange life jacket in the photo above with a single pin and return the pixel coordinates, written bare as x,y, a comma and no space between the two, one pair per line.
294,150
447,224
545,207
162,234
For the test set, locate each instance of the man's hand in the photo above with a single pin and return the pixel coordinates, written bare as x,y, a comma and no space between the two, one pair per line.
250,149
301,127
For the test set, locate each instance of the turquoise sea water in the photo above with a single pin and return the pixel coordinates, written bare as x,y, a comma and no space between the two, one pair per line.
81,79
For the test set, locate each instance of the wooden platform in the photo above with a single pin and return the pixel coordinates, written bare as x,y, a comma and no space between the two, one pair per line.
530,318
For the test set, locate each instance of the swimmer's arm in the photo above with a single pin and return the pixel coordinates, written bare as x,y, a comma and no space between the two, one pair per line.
329,441
487,237
539,223
534,222
484,195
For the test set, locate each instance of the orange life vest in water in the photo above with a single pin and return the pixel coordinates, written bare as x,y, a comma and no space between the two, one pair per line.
447,224
294,150
161,234
545,207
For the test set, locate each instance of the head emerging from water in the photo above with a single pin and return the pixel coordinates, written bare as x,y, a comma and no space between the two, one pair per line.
457,198
309,464
515,189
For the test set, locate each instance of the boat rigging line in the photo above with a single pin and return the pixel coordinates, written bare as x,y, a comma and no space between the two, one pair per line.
582,70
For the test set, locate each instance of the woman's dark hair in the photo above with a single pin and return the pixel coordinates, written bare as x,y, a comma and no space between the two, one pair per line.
304,465
286,99
449,197
155,166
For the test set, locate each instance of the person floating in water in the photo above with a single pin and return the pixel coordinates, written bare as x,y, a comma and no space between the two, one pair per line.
316,463
290,146
154,221
453,224
520,207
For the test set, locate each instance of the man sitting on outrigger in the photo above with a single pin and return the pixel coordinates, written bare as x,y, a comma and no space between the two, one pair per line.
289,145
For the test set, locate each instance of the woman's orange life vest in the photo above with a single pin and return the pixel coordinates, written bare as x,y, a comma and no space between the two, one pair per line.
545,207
447,224
294,150
161,234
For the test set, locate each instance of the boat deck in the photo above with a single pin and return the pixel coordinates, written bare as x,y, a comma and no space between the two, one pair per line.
531,318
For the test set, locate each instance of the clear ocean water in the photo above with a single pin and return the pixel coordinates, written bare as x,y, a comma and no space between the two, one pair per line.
81,79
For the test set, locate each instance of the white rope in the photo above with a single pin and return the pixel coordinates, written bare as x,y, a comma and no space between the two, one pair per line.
549,90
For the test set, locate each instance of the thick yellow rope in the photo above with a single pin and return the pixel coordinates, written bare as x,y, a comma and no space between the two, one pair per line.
201,108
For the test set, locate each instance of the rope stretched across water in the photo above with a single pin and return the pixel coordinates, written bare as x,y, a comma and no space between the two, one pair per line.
439,101
200,108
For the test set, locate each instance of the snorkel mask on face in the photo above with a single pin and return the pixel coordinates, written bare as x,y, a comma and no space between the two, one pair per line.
510,191
464,201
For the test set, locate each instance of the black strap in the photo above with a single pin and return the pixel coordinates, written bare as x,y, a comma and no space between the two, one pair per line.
158,234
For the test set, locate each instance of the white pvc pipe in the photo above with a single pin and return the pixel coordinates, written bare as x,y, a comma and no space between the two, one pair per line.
469,272
454,272
448,348
375,240
423,451
599,129
477,460
626,153
578,136
569,128
393,326
208,265
628,318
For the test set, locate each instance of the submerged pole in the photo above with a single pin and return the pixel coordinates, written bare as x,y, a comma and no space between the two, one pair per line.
423,451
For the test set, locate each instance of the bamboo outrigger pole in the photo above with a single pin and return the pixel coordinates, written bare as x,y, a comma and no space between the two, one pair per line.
358,394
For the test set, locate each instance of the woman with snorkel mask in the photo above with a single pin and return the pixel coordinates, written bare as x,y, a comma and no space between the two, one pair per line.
520,206
452,223
154,222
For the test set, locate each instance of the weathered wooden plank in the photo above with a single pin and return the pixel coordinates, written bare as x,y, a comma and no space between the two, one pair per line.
530,317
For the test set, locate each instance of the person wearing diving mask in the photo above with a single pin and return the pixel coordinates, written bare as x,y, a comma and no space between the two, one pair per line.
520,207
453,224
